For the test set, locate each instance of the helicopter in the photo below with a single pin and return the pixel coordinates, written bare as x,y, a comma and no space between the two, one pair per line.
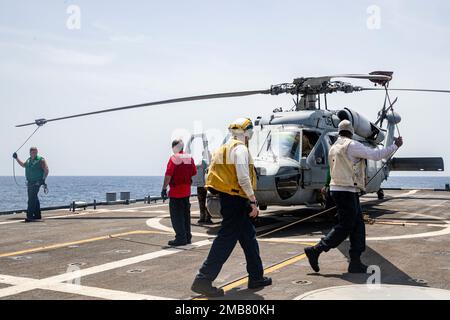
290,147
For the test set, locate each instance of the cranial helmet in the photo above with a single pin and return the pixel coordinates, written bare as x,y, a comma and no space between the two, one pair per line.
242,127
346,125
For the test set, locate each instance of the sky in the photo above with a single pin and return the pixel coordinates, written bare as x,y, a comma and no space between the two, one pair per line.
63,57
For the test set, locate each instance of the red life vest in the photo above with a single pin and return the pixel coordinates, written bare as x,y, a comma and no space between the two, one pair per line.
181,168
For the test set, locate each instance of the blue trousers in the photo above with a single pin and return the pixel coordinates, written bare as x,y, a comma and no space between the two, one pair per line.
236,226
180,216
350,224
34,206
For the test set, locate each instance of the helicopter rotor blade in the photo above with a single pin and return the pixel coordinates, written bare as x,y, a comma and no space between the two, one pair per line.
364,76
377,77
408,90
41,122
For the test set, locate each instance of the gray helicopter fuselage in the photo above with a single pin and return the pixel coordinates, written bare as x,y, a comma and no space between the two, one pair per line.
296,178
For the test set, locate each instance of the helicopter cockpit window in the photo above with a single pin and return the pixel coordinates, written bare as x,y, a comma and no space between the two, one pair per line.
319,154
281,144
309,139
332,139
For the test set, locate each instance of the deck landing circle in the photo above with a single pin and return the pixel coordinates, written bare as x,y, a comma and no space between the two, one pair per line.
376,292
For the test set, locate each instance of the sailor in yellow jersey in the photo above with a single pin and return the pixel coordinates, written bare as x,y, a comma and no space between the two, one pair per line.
232,176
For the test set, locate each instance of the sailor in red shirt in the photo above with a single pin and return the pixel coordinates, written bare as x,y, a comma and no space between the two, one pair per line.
180,170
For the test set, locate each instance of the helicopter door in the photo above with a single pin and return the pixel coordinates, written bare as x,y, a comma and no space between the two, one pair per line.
318,161
197,146
312,161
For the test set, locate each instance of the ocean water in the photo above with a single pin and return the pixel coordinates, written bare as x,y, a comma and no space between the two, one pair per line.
64,190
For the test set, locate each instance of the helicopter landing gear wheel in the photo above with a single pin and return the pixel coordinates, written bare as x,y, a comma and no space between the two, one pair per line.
380,194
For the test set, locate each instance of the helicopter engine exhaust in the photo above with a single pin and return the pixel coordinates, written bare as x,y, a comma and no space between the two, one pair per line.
363,127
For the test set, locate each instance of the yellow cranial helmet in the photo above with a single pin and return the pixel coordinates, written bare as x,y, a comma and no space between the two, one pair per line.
241,126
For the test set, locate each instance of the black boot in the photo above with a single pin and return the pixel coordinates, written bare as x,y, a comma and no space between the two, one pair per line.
312,253
356,266
205,287
202,218
176,243
264,281
208,221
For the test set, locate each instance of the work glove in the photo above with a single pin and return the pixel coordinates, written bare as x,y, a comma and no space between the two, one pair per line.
45,188
398,141
164,194
15,155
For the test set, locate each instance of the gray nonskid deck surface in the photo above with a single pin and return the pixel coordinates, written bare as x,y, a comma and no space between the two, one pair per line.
121,252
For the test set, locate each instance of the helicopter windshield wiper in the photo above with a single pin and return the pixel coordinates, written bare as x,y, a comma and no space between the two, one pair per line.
264,143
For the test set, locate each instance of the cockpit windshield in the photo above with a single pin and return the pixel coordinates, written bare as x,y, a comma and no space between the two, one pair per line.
274,143
278,141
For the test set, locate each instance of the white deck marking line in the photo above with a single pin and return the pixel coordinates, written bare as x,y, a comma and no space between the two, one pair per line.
95,292
194,214
13,280
375,292
102,210
48,282
409,193
156,224
56,217
150,206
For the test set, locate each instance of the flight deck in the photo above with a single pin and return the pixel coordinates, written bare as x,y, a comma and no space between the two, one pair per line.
121,252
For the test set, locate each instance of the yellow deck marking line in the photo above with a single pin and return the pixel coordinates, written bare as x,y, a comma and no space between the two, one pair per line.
290,242
57,279
66,244
395,223
268,270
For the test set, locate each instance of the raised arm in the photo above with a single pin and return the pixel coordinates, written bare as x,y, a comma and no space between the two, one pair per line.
21,163
358,150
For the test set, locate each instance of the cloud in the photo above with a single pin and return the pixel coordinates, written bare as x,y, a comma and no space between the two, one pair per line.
60,56
136,39
113,36
72,57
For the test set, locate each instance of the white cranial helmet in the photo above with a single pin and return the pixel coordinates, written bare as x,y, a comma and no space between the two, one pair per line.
346,125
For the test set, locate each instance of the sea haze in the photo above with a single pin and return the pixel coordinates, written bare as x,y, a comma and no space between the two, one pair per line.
64,190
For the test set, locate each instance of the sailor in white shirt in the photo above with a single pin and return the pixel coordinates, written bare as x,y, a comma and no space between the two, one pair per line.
347,159
232,176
